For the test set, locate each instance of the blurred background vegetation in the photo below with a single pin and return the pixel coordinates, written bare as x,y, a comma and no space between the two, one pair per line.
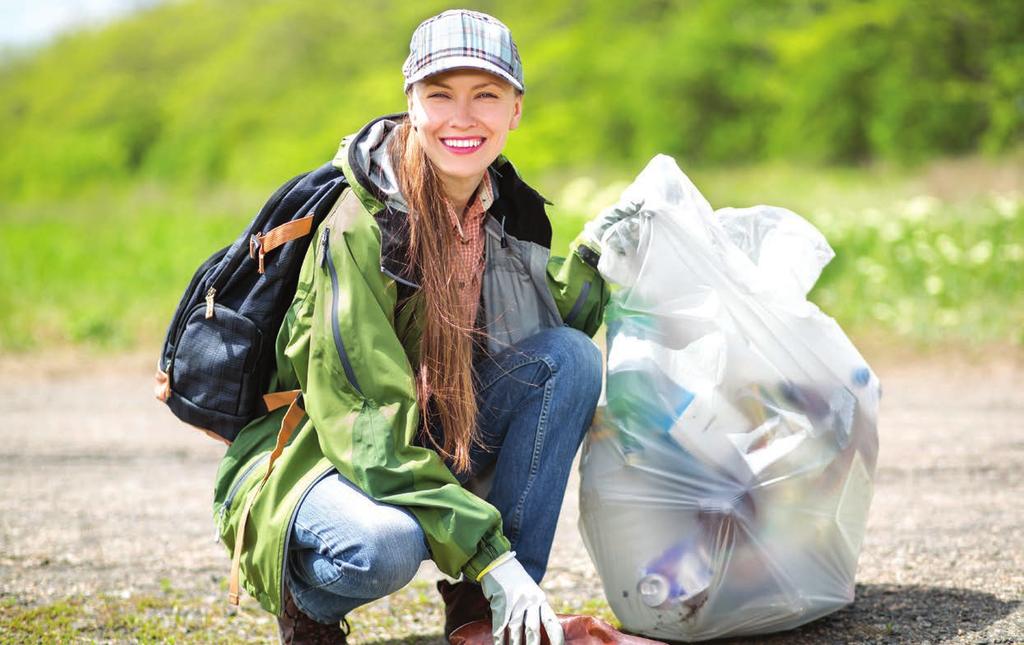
132,151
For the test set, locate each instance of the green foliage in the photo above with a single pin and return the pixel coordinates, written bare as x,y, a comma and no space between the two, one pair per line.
928,272
123,144
248,93
106,271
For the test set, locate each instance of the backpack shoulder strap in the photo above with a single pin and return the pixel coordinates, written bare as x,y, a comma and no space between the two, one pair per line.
263,243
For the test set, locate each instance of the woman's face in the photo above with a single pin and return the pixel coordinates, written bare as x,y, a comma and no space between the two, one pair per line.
461,119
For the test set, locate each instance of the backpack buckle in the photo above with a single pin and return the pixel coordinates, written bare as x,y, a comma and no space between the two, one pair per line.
256,250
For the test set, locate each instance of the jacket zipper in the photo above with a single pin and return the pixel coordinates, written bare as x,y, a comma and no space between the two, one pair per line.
291,523
339,345
233,491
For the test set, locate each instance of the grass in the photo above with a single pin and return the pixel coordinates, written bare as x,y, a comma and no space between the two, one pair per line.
143,619
105,272
928,257
413,616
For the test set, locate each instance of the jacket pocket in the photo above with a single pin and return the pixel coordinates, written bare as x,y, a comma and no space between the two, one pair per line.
236,487
225,520
326,261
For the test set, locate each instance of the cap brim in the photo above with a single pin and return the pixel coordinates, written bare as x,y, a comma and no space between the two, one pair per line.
462,62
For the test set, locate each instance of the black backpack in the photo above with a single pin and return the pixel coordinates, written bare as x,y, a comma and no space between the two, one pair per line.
218,356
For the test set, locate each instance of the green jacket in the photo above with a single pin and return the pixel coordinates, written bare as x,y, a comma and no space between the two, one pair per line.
350,341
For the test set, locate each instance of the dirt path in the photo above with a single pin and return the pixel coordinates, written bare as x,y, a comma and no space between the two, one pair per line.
103,491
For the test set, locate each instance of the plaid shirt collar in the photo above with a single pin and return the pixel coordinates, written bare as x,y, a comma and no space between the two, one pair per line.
479,204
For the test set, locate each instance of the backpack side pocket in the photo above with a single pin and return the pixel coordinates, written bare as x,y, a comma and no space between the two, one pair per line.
213,374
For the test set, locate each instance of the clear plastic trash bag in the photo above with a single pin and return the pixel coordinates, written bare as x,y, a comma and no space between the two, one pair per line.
726,481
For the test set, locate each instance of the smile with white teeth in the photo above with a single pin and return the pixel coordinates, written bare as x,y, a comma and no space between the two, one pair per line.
462,143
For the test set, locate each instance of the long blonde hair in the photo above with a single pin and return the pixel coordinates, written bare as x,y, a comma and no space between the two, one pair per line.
444,377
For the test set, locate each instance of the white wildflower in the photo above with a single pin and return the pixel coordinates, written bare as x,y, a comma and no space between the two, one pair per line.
1008,205
948,248
918,208
981,252
948,317
824,220
872,270
872,217
925,252
891,230
576,194
607,196
1013,252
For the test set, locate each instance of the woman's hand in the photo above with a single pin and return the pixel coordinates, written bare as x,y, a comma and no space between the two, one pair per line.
625,209
517,603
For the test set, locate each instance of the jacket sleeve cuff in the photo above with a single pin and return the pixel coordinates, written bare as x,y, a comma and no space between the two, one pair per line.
492,546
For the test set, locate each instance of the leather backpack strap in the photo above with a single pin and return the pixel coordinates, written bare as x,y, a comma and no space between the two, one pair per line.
292,418
275,400
263,243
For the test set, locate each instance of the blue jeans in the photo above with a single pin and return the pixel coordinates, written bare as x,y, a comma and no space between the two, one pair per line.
536,401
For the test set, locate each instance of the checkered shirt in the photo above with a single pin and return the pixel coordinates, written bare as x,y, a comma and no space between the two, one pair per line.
469,258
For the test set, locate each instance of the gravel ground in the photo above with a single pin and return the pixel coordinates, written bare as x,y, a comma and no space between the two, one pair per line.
104,492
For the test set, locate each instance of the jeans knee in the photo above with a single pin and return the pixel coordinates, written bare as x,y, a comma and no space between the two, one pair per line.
387,558
400,557
578,359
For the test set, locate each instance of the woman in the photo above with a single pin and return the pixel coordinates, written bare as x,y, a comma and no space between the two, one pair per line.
438,349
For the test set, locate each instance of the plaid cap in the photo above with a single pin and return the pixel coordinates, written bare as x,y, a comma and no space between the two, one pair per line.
462,38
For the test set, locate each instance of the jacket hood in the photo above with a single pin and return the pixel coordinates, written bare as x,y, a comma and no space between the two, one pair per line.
366,155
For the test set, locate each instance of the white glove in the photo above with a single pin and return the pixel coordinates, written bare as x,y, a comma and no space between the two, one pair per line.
517,602
627,208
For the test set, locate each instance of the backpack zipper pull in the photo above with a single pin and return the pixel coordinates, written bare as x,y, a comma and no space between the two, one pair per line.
209,302
324,244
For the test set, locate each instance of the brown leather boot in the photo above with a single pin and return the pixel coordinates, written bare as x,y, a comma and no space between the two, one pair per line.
464,602
299,629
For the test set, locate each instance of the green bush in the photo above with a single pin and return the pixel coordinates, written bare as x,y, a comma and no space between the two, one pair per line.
197,93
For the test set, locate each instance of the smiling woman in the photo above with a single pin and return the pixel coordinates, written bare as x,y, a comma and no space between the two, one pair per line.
444,362
462,119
